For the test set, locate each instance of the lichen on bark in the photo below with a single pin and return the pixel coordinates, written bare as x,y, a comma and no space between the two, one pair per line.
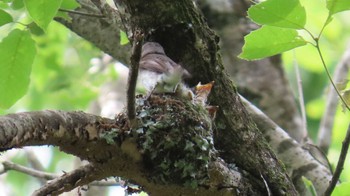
175,139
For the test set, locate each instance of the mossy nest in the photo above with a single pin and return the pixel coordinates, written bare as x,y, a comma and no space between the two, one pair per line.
175,138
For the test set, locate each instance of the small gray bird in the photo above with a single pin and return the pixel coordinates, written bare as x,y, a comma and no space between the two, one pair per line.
158,73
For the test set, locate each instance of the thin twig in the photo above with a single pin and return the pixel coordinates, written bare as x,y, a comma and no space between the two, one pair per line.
48,176
340,165
81,13
346,141
67,182
301,96
33,160
35,163
133,73
32,172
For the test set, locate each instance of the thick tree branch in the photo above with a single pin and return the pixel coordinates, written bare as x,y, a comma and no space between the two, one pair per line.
196,46
283,106
107,43
112,151
74,132
298,161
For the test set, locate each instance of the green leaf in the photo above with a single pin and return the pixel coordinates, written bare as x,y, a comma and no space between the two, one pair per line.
279,13
42,11
17,52
3,5
335,6
342,189
342,84
69,4
17,4
268,41
35,29
123,38
5,17
6,1
309,186
346,96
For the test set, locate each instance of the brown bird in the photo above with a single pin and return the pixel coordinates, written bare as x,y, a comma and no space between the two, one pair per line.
159,73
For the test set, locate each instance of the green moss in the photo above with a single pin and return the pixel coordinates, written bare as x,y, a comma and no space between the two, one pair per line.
176,140
110,135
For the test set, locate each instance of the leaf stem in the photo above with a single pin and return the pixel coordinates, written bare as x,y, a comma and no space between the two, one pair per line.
312,36
26,25
324,25
346,142
329,75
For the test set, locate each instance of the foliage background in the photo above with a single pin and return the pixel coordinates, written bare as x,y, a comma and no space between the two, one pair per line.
64,77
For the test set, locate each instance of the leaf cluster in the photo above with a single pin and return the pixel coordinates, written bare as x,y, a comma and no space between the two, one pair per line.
280,22
19,47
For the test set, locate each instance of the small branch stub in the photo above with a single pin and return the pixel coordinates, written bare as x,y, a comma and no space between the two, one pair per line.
133,73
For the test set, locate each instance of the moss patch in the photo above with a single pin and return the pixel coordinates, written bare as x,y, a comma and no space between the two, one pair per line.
175,138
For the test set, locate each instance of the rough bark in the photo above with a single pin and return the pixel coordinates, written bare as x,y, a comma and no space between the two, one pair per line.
262,82
188,41
182,31
297,159
100,30
113,150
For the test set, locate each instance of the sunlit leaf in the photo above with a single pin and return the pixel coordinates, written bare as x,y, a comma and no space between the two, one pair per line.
341,85
5,17
279,13
268,41
342,189
17,4
17,52
335,6
3,5
42,11
309,186
123,38
346,97
69,4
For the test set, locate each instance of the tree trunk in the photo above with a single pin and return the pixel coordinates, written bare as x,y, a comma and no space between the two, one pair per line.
239,162
181,30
